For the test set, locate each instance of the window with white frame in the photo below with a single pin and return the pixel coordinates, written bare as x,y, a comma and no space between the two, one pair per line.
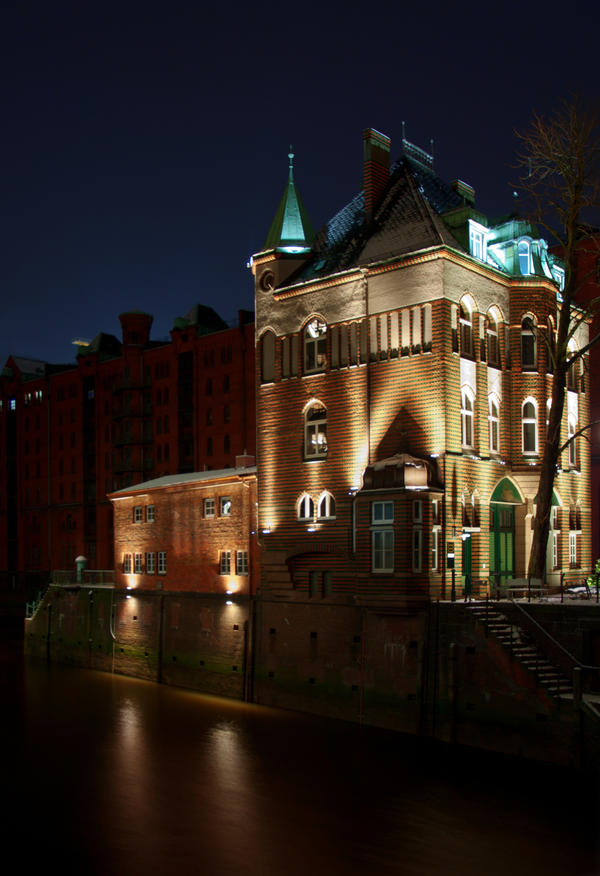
209,507
435,548
493,345
150,563
417,549
554,537
162,562
137,564
572,548
382,512
225,506
138,514
225,563
150,518
494,424
315,431
528,344
306,508
466,417
573,368
524,255
382,550
529,426
315,346
326,506
241,562
127,564
477,240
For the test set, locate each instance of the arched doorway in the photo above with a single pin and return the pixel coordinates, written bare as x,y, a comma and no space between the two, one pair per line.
502,532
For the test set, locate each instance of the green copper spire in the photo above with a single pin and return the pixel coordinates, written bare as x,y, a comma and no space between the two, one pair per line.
290,230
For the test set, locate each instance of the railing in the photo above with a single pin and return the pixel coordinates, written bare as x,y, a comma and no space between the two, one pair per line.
87,577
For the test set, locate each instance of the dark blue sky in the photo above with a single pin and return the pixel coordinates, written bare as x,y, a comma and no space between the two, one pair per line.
144,147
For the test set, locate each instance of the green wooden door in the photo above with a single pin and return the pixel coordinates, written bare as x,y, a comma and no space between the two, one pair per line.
502,544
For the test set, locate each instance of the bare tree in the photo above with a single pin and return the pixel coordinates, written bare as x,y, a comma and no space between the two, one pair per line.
559,160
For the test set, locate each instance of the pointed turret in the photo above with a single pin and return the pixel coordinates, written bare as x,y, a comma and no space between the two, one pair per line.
291,230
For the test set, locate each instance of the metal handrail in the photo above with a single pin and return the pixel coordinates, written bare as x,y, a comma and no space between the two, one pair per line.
554,641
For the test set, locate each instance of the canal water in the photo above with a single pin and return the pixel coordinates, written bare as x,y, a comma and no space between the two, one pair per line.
110,775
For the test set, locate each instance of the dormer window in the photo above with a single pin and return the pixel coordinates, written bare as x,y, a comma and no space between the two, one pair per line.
477,240
525,260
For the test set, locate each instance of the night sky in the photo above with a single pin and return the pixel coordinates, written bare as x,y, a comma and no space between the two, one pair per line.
144,147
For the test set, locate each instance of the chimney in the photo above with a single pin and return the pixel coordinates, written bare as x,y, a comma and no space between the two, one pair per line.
376,153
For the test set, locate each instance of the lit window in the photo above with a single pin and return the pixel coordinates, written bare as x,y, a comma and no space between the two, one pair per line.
494,425
150,514
382,512
241,563
225,564
306,508
209,507
162,562
137,567
150,563
326,506
466,417
466,331
225,505
138,514
127,564
477,240
529,426
315,431
382,548
13,404
528,344
315,346
524,253
559,276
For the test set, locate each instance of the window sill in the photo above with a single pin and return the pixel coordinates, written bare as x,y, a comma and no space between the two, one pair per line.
315,458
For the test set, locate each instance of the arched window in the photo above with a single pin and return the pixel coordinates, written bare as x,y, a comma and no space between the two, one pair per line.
315,346
572,446
306,508
493,347
466,417
267,357
494,424
529,426
326,506
524,252
315,431
466,329
528,344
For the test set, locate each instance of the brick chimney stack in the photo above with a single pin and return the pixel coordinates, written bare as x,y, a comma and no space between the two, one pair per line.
376,153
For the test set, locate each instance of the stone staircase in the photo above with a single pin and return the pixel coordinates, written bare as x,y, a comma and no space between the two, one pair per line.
521,646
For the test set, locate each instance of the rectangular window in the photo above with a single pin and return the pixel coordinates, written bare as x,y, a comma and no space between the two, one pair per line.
405,332
572,548
554,550
382,512
417,547
416,330
241,563
225,506
417,511
137,564
435,549
162,562
150,563
382,547
127,564
150,514
225,564
138,514
209,507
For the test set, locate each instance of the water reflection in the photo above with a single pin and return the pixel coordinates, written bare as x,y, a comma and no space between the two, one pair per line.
123,776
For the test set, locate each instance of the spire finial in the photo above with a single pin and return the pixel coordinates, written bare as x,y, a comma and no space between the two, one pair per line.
291,157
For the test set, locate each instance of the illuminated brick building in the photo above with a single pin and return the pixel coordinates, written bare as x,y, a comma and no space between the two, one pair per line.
403,389
125,412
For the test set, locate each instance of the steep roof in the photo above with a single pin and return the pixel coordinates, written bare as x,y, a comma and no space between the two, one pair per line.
291,228
406,219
